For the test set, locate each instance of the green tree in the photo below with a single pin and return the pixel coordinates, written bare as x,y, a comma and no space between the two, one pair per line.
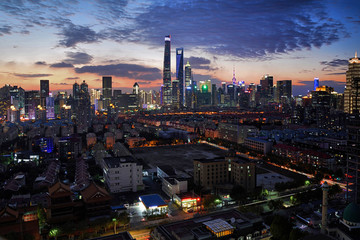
334,189
238,193
209,202
275,204
280,228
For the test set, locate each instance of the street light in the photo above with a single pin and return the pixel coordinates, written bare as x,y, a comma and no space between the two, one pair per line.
114,220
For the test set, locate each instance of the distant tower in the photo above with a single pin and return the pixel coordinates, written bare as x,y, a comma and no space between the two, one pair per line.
316,83
107,90
352,88
136,88
166,90
44,92
325,188
234,79
180,73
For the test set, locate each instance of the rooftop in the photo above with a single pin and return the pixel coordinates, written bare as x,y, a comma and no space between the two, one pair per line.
152,200
218,225
114,162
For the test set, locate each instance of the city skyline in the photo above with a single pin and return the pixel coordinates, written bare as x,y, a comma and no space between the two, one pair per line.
73,42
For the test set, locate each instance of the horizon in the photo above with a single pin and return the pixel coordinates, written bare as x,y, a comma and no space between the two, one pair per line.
75,41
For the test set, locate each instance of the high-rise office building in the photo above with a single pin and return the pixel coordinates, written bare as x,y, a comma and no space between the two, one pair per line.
32,100
316,83
353,157
44,92
175,93
107,90
94,95
136,88
17,97
50,110
188,85
76,90
352,88
283,91
180,73
166,89
267,86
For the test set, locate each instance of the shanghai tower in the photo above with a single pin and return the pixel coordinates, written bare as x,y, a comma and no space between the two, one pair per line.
167,93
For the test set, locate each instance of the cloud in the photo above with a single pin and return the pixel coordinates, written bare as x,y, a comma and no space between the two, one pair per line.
336,73
78,58
123,70
245,29
40,63
62,65
5,29
199,63
72,78
143,83
73,34
60,84
306,86
36,75
335,64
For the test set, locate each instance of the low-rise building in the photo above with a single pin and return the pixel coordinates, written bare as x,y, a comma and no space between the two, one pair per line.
217,172
230,224
123,174
172,186
258,145
235,132
96,201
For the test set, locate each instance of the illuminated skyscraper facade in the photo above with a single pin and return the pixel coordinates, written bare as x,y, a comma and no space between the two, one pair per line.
166,90
283,91
44,92
352,89
188,88
267,86
107,90
316,83
180,73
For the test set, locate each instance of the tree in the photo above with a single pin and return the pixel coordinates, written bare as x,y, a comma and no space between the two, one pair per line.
275,204
209,202
280,228
238,193
334,189
296,234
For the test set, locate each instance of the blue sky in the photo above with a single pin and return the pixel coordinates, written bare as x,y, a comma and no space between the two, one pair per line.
67,41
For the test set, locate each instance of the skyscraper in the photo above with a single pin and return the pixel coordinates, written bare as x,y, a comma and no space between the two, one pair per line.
316,83
267,84
175,93
283,91
76,90
44,92
166,90
352,88
188,85
107,90
180,73
353,158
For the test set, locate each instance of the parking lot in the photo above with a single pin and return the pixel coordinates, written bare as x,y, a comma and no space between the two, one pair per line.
180,157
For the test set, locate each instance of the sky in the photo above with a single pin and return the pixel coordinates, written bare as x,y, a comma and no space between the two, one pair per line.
68,41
